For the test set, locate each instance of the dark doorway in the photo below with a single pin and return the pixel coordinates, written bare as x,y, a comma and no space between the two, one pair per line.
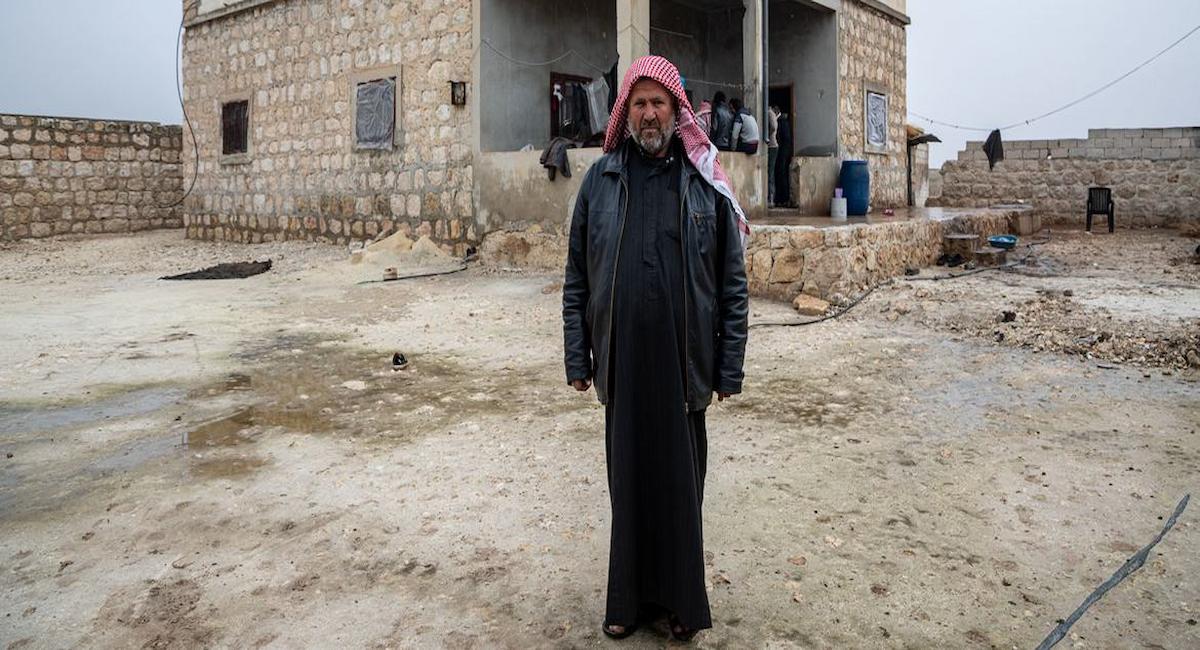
781,96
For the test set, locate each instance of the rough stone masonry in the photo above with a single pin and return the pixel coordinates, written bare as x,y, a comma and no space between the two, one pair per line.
66,175
1154,175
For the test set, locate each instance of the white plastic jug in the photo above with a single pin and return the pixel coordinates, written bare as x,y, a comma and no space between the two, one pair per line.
837,209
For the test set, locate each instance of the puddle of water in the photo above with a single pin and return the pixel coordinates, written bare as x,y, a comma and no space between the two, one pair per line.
136,453
24,418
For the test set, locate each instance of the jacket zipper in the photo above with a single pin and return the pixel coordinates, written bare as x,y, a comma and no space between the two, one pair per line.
687,367
612,292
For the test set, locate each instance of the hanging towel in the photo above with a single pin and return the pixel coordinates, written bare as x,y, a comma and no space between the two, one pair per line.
597,101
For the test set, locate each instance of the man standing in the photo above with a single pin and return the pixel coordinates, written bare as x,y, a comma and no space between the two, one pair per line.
654,313
745,128
721,129
772,151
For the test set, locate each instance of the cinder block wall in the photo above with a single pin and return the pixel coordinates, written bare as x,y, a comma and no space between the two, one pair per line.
67,175
1154,175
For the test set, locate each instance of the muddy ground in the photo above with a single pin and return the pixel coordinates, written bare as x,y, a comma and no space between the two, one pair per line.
235,464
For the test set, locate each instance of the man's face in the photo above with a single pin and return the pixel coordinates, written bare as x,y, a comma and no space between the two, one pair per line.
651,116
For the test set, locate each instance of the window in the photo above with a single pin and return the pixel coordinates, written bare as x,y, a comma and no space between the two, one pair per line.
235,128
375,113
876,118
569,117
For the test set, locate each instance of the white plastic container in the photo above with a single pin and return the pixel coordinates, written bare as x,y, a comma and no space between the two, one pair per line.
837,209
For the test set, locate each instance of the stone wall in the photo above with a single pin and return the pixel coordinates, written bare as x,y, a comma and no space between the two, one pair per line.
873,52
935,185
1154,175
920,175
297,62
841,262
832,263
67,175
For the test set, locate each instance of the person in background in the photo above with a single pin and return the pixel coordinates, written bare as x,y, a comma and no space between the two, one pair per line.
721,129
704,116
745,129
772,152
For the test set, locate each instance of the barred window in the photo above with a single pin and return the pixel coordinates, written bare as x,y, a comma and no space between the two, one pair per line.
235,127
375,114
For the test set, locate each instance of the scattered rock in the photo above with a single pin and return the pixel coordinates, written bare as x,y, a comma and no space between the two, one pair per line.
808,305
1193,358
355,385
1007,316
834,542
798,560
879,590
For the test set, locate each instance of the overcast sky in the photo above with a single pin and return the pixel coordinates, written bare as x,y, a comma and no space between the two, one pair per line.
974,62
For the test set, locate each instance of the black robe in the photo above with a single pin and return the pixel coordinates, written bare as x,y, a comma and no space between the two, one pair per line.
656,449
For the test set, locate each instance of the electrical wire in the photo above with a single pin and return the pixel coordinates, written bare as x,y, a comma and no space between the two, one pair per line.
1068,104
538,64
186,119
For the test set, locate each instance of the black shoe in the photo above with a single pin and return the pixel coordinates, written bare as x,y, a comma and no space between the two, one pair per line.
629,629
399,361
678,631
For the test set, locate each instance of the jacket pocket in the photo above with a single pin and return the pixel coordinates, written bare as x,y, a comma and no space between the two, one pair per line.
704,226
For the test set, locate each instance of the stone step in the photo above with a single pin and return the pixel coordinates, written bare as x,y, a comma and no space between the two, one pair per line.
963,244
990,256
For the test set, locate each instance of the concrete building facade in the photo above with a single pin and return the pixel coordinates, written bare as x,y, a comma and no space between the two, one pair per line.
286,99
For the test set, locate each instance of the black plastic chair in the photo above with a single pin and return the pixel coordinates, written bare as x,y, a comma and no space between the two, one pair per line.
1100,201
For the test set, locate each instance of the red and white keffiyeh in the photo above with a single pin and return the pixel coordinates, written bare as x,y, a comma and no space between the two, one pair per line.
699,149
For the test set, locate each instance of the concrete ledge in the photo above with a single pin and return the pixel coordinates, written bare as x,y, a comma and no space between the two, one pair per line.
237,8
836,263
833,263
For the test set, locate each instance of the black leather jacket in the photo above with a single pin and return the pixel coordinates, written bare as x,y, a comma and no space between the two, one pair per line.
723,118
716,299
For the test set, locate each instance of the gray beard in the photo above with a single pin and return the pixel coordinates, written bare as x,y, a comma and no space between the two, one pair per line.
656,143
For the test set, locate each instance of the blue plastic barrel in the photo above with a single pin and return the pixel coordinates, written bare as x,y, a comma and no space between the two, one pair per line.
855,181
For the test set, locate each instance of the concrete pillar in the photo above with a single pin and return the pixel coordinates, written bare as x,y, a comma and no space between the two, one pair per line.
752,58
753,53
633,33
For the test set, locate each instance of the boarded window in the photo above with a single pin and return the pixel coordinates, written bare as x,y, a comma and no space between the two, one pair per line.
375,114
235,127
876,121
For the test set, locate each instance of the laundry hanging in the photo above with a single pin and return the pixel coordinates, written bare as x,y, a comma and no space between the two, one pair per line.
993,148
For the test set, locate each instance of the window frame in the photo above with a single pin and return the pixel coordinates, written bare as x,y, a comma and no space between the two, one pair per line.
235,158
367,76
555,79
875,89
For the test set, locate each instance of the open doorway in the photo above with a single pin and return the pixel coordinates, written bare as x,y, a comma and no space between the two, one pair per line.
783,96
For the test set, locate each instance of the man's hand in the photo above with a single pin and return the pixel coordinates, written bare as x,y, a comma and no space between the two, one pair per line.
721,397
581,385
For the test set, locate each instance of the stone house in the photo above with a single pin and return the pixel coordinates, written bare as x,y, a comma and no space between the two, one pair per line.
341,119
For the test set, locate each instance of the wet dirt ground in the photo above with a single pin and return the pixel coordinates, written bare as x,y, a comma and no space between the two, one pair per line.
235,464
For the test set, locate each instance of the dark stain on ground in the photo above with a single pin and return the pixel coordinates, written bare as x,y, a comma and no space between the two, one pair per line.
308,385
799,402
